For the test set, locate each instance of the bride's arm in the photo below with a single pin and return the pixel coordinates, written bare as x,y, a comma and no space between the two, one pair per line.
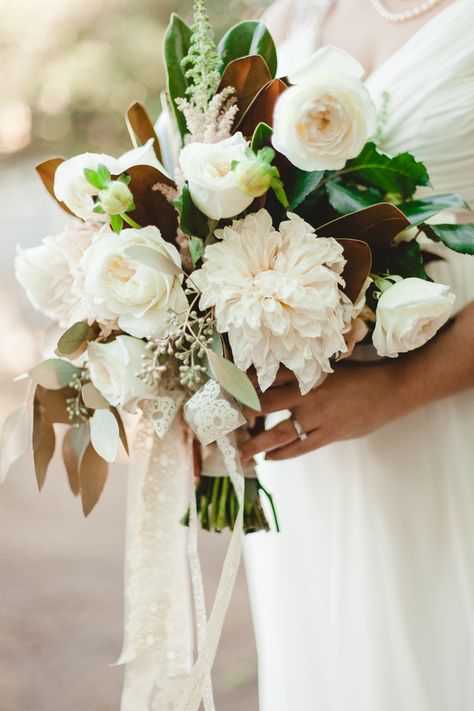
358,398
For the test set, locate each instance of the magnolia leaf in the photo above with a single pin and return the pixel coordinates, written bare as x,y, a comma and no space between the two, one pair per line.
357,269
191,220
300,183
15,438
54,403
246,38
72,340
92,398
44,442
105,434
154,259
247,75
398,176
196,249
419,211
46,172
262,136
176,47
406,260
349,198
261,109
141,125
460,238
54,373
122,432
75,442
234,380
151,206
92,477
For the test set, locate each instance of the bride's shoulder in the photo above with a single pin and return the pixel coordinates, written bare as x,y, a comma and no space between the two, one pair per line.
277,18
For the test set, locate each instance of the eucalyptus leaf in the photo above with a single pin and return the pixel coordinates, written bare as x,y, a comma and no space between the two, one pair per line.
105,434
54,373
73,338
347,198
246,38
261,136
176,47
92,476
234,380
460,238
75,443
419,211
154,259
299,184
92,398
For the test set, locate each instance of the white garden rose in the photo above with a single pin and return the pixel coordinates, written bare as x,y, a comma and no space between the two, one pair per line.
138,295
213,185
327,116
278,296
52,273
409,314
114,369
72,187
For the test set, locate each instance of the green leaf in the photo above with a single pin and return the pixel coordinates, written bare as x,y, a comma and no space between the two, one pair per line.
124,178
251,37
116,222
105,434
196,248
176,47
300,183
104,174
73,338
348,198
99,209
191,220
93,177
54,373
399,175
460,238
234,380
405,259
261,136
419,211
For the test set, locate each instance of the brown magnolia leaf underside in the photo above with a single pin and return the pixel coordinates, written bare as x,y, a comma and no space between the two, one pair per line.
140,123
44,442
152,207
92,476
261,109
357,269
75,442
248,75
46,172
377,225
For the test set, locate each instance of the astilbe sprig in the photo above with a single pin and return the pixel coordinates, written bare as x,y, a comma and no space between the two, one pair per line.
202,60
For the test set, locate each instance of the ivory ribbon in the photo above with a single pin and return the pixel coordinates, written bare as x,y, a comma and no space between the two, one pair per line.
157,649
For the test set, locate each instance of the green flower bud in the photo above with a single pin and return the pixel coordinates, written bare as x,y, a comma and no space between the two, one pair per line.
116,198
254,176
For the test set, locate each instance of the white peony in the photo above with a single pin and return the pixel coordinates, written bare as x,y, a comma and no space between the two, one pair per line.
213,185
409,314
72,187
52,273
327,117
114,369
277,294
118,286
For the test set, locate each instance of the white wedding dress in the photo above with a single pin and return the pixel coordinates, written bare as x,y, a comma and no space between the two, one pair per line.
365,600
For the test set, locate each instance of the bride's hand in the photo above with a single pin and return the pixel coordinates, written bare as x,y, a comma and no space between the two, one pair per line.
352,402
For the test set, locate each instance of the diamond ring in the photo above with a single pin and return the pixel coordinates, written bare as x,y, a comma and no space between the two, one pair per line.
299,429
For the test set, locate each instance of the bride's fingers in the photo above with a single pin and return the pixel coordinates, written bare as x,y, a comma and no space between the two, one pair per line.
314,440
266,441
276,399
282,377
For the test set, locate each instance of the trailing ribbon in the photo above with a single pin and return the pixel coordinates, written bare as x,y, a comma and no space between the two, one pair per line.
158,622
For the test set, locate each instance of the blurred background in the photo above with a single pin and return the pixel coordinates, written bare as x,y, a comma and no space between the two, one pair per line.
69,70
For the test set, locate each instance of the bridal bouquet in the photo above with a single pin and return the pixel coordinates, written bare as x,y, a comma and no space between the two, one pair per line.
266,228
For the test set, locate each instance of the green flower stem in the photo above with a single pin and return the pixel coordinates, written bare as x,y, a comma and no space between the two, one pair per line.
216,487
222,514
130,221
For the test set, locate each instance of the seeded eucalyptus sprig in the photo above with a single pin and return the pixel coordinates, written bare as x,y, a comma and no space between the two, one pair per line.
115,198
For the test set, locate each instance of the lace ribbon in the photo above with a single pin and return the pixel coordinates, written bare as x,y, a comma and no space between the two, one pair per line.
157,649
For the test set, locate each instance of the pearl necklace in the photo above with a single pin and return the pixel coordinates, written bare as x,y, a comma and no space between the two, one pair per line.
407,14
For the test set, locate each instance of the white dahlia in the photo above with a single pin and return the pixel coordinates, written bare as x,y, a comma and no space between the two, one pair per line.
277,294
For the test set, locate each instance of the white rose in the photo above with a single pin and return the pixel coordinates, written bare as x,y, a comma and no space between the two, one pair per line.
213,185
72,187
327,117
409,313
114,369
52,274
118,286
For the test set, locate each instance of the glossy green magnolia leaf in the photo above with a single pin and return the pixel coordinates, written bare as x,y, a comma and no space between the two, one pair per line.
348,198
299,184
251,37
396,177
176,47
460,238
72,340
262,137
154,259
191,220
196,249
105,434
54,373
419,211
406,260
233,380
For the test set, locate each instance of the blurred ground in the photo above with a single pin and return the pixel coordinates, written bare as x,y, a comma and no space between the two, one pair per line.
61,576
